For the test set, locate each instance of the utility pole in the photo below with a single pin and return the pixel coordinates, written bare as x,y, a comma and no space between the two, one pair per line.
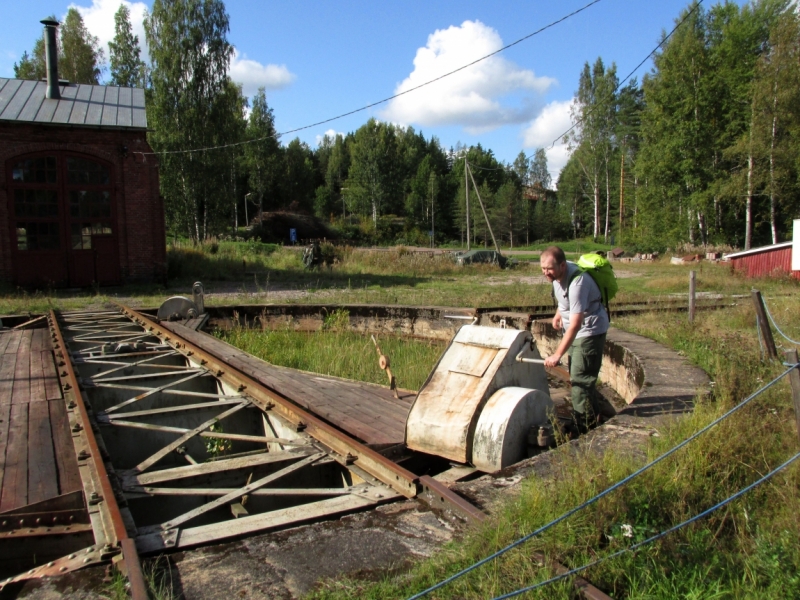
466,189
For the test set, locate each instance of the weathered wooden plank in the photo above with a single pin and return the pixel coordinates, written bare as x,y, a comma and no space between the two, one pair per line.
42,472
13,342
7,367
271,520
52,384
21,392
5,338
37,340
5,414
15,478
235,494
191,491
37,376
231,464
31,323
69,478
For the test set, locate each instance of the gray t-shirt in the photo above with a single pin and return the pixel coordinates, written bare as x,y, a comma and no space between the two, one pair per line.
584,296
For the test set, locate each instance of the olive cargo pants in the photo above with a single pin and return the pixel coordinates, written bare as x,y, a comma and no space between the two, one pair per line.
585,359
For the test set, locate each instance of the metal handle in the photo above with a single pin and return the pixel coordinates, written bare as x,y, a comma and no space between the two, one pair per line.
537,361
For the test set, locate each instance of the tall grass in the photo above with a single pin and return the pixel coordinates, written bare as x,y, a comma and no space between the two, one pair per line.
746,550
340,353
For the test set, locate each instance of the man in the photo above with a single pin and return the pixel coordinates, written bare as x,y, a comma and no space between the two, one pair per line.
584,320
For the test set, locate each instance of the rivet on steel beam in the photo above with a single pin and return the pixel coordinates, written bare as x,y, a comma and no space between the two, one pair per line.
67,386
71,404
83,455
189,353
203,361
301,426
95,498
77,427
61,363
350,459
64,373
38,520
220,373
242,388
50,564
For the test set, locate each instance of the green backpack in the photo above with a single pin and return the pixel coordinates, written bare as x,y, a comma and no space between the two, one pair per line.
602,272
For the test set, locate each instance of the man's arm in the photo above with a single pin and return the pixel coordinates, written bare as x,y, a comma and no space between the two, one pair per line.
575,321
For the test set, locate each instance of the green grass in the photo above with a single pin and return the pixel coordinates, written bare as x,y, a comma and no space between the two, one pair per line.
747,550
340,353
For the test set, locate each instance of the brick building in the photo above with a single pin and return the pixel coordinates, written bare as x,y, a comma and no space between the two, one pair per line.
79,203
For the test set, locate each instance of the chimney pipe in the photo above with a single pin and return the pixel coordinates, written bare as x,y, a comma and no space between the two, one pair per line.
51,52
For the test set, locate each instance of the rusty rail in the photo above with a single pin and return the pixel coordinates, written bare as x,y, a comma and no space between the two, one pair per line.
377,465
117,539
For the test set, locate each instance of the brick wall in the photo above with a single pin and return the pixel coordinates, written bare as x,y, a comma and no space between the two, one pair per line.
138,206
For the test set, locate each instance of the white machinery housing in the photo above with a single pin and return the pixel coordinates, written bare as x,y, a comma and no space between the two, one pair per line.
480,402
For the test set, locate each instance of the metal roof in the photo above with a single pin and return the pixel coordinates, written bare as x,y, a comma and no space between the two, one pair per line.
758,250
80,105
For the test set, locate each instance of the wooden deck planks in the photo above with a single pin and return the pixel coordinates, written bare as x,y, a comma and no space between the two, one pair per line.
13,341
37,458
21,393
52,385
8,364
69,478
15,476
368,412
42,477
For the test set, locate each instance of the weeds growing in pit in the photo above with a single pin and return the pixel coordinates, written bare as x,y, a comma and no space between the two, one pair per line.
340,353
747,549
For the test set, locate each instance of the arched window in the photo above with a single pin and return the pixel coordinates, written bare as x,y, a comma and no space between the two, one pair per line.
62,213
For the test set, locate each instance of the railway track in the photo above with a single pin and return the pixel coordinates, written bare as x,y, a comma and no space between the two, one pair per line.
178,445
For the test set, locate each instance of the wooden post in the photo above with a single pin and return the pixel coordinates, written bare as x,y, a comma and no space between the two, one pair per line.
763,324
692,287
794,380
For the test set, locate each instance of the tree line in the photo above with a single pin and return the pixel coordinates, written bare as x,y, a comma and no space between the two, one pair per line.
704,151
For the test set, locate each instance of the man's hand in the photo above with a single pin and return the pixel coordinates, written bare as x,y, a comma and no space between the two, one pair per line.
557,321
553,360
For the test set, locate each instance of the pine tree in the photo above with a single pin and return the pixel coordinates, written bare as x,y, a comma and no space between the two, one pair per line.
82,58
127,68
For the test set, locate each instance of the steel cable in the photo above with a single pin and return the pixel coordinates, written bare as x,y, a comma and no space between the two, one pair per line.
774,324
651,539
605,492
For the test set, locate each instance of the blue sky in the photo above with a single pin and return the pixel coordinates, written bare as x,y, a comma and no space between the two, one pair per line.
320,59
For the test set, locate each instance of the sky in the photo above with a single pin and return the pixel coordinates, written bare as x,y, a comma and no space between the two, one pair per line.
321,59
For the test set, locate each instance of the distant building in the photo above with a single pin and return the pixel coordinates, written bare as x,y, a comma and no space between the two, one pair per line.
764,261
79,201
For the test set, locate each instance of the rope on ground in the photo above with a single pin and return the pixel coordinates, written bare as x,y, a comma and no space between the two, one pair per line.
774,324
652,539
605,492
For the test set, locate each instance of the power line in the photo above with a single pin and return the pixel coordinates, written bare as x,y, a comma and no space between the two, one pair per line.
655,537
629,75
378,102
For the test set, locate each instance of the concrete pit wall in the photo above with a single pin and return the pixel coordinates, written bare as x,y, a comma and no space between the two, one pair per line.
638,369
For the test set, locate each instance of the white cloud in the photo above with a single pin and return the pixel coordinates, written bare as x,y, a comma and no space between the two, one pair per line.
99,20
253,75
331,133
551,122
470,97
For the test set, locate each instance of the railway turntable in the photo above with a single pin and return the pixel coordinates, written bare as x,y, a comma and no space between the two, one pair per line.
166,438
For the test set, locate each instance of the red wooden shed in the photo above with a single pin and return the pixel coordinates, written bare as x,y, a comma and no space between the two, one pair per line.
79,202
764,261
